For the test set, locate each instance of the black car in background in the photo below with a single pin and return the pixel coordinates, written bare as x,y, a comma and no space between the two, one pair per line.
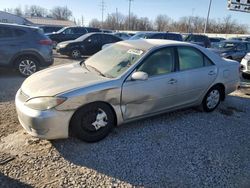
86,45
157,35
70,33
240,38
24,48
215,41
232,49
201,40
50,29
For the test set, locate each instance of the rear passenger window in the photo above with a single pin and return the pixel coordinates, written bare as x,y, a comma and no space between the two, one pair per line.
5,32
80,31
157,36
190,58
174,37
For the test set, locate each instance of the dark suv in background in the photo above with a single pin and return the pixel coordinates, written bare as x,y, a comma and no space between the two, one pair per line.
201,40
70,33
50,29
232,49
24,48
157,35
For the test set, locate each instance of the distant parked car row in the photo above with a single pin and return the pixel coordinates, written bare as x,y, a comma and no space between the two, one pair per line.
27,48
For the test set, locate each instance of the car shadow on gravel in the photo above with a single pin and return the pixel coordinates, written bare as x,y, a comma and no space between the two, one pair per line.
185,148
10,82
8,182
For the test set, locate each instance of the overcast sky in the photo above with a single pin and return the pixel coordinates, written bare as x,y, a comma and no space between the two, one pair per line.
90,9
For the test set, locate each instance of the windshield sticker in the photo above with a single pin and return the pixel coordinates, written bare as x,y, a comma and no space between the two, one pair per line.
135,51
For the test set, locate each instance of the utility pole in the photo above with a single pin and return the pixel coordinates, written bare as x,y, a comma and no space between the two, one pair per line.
82,21
208,14
102,9
117,24
129,13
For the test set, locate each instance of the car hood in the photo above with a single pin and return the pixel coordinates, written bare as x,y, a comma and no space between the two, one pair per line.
71,42
59,79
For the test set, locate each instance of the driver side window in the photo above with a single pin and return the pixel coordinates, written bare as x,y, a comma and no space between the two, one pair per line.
159,63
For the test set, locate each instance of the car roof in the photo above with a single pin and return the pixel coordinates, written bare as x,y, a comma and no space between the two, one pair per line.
18,26
156,32
99,33
147,44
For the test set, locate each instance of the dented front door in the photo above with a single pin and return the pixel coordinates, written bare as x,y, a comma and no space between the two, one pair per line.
145,97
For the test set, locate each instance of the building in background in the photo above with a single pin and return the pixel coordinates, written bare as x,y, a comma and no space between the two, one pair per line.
37,21
6,17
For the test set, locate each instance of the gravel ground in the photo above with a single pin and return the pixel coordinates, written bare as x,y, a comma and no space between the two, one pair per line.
187,148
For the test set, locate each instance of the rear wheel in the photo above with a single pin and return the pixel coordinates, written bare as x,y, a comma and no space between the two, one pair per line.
212,99
93,122
27,66
75,54
246,76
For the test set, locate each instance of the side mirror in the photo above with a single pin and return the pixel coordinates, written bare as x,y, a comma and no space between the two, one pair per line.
139,76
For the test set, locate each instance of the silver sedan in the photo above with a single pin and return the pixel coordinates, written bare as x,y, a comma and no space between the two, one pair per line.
126,81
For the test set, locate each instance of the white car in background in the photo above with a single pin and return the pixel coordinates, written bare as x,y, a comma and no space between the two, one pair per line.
245,65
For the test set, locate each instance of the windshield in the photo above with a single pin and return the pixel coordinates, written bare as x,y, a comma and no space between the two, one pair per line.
139,36
61,30
114,60
226,45
83,37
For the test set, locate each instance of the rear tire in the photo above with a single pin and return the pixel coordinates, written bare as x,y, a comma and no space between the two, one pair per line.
75,54
212,99
246,76
26,66
93,122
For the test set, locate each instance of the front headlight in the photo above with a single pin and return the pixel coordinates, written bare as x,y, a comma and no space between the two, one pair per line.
62,45
44,103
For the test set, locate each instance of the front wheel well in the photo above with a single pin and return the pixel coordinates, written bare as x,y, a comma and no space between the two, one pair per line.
15,60
81,107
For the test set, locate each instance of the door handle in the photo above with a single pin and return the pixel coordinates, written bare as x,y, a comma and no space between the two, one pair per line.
172,81
211,73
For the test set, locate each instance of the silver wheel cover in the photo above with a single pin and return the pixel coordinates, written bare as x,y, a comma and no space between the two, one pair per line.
101,120
27,67
213,99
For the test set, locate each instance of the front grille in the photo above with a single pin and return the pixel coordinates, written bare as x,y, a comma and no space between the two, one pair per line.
22,96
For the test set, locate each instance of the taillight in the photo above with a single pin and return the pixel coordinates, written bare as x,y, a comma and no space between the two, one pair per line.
45,42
